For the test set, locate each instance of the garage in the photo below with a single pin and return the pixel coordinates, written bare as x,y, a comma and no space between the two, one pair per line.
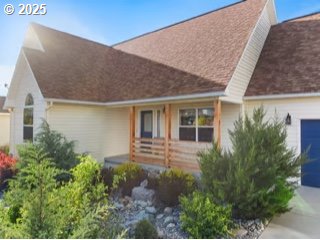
310,137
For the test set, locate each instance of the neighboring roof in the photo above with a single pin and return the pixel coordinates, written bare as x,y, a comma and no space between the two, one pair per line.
209,46
2,100
290,60
72,68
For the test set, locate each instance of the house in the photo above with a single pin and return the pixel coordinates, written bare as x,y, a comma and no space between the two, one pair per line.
161,97
4,124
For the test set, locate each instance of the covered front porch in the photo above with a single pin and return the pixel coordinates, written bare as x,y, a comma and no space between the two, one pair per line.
171,135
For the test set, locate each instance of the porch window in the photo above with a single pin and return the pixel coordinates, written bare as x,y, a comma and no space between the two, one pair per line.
196,124
28,119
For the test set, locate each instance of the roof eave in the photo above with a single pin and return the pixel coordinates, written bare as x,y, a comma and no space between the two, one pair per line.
141,101
281,96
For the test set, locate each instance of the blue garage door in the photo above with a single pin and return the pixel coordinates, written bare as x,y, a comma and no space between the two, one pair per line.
310,136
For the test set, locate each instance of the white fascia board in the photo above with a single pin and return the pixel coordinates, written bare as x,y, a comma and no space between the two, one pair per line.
139,101
282,96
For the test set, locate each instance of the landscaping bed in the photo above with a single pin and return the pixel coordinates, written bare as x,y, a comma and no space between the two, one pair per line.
166,220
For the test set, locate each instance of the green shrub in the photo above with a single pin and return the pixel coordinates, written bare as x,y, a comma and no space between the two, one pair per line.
57,147
145,230
130,175
41,207
172,184
202,218
153,182
107,175
254,177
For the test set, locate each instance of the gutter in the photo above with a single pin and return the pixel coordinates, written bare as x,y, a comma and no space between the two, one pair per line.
140,101
282,96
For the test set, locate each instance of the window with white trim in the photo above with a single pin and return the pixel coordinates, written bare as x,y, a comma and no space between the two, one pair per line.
196,124
28,119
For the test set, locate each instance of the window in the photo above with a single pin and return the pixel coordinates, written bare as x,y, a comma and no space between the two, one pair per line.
28,119
187,129
196,124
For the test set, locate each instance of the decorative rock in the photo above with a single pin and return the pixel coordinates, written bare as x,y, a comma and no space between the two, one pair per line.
241,233
171,225
167,210
118,205
142,204
141,215
144,183
160,216
141,193
160,233
151,210
168,220
250,223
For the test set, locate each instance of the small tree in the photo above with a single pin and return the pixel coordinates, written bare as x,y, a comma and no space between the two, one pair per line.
254,177
30,213
58,148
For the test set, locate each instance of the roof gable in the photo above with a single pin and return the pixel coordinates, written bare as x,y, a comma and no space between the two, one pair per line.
289,62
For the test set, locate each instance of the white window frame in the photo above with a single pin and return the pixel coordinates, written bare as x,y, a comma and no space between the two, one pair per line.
196,119
28,107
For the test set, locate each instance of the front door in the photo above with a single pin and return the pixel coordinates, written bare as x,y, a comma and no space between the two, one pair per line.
146,124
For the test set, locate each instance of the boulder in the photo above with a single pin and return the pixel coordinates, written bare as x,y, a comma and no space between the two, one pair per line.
167,210
168,220
151,210
143,194
144,183
171,225
159,216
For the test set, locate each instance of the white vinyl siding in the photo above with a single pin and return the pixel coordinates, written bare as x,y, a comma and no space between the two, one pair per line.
25,84
244,70
98,131
298,108
4,128
229,114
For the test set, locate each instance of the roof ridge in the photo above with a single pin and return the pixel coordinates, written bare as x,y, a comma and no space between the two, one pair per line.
179,22
69,34
303,16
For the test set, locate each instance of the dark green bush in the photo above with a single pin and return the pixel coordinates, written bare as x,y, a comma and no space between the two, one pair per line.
172,184
145,230
57,147
107,175
130,175
153,182
202,218
254,177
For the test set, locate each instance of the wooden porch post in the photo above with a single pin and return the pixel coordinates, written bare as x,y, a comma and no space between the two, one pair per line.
167,133
217,121
132,131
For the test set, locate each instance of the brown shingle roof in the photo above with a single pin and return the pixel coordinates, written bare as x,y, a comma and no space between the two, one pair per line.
209,46
2,100
290,60
73,68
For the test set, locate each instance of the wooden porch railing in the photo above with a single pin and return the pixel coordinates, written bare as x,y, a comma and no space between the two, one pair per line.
181,154
149,151
184,154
